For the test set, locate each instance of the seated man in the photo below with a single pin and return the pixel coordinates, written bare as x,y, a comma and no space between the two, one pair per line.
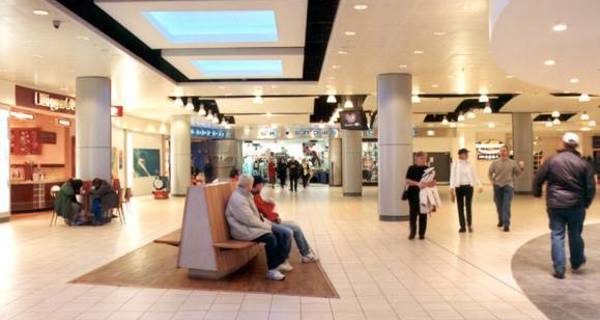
103,193
247,224
66,204
267,207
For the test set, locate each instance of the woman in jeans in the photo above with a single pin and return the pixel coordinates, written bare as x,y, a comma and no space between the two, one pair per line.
413,180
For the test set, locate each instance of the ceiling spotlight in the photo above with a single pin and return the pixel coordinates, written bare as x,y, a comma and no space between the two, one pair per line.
431,133
585,116
418,52
491,125
360,7
348,104
189,106
556,121
40,12
471,114
549,62
350,33
555,114
488,108
461,117
483,98
331,99
584,97
445,121
415,98
439,33
215,119
549,124
178,103
509,76
201,111
592,123
258,99
209,117
435,85
574,80
452,124
559,27
403,66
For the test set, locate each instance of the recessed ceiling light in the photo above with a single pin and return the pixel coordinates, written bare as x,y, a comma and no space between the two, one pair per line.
509,76
435,85
39,56
342,52
331,78
559,27
491,125
360,7
439,33
403,66
574,80
335,66
350,33
84,38
40,12
584,97
451,77
549,62
418,52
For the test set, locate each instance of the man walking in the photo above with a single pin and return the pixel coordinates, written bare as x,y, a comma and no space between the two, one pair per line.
294,172
570,191
462,180
502,174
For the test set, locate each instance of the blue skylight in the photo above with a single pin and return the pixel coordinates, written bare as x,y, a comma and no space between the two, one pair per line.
239,68
215,26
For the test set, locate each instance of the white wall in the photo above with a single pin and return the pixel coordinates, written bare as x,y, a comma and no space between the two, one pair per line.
118,141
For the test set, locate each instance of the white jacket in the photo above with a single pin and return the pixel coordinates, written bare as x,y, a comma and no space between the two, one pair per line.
429,197
245,222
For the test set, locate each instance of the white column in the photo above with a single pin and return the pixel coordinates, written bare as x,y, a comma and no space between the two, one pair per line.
4,165
335,157
181,154
395,143
93,128
522,124
351,163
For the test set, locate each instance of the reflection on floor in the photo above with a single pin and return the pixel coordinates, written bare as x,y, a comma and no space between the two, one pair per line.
577,297
155,266
377,272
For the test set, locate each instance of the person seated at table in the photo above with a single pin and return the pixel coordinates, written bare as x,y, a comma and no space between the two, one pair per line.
103,198
66,204
247,224
266,207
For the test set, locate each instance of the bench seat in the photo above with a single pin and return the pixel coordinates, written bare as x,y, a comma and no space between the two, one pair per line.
234,245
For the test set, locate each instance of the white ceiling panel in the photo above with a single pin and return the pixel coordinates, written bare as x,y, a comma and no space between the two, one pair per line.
290,18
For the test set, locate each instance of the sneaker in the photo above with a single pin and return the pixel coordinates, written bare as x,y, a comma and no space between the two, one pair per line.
310,257
411,236
275,275
462,230
578,268
559,275
421,237
506,228
470,229
285,267
499,225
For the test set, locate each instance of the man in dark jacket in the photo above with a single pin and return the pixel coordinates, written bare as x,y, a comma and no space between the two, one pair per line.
294,172
570,191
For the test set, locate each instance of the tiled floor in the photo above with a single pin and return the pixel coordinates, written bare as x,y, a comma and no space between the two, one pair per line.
377,271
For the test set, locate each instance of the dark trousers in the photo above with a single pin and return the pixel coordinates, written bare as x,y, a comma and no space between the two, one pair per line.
305,180
464,199
293,183
415,214
282,181
570,220
273,249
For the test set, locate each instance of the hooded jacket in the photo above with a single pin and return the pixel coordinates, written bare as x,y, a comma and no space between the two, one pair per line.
570,181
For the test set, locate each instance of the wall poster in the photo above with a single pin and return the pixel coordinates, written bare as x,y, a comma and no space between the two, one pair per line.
146,162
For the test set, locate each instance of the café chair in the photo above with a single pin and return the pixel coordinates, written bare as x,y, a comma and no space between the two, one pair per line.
53,192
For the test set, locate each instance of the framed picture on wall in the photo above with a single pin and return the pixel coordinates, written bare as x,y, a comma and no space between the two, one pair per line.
146,162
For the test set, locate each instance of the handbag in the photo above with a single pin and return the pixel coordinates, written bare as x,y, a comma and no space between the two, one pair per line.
405,194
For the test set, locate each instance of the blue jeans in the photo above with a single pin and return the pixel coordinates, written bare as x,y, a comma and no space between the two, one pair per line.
572,220
301,242
272,248
502,198
284,240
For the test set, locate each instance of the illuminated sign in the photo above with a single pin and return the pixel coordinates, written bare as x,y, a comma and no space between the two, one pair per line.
45,100
211,133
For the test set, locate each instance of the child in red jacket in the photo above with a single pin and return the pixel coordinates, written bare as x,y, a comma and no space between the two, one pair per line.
267,209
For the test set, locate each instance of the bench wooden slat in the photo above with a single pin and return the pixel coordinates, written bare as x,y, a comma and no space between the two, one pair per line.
234,244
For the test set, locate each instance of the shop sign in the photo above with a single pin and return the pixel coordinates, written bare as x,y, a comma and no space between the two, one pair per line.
211,133
313,132
116,111
488,149
55,104
268,133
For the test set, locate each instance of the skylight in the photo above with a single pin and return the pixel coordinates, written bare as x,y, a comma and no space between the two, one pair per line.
239,68
215,26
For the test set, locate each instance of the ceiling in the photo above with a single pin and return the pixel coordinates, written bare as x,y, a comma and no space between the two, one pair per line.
444,44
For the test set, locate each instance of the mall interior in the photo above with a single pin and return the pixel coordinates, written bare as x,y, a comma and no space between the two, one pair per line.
166,103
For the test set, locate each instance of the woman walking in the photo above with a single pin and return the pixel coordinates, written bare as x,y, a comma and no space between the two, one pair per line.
414,177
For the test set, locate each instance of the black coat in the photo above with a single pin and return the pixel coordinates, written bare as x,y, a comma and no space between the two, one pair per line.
294,168
570,181
281,169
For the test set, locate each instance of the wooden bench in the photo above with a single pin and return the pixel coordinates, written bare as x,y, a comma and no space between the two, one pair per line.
206,248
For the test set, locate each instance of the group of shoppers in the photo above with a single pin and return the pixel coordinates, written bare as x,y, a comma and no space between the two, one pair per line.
570,190
102,199
295,170
252,217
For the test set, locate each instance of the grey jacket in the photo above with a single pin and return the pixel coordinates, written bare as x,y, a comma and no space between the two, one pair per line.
570,181
245,222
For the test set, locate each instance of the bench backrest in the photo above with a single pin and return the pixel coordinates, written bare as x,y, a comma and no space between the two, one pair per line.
217,195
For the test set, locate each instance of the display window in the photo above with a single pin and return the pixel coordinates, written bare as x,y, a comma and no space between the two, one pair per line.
370,160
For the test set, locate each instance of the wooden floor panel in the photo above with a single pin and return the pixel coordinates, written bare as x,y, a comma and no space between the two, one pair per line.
154,266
